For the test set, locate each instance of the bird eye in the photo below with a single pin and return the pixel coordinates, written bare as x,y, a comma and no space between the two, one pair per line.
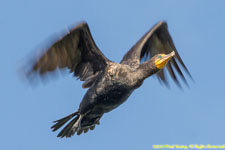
159,56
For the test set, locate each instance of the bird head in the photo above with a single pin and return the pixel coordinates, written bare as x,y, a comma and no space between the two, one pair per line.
160,60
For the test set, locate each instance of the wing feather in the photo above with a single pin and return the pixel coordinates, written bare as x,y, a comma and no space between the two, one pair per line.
76,51
156,41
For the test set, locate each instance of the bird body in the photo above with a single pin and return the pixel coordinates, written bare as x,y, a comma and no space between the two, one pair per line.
110,84
111,89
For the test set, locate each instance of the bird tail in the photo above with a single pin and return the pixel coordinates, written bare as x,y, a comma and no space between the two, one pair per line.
70,128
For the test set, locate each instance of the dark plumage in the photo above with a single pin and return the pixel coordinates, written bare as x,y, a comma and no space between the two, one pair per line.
109,83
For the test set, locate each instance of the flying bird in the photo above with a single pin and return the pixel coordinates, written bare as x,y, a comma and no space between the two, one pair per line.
109,83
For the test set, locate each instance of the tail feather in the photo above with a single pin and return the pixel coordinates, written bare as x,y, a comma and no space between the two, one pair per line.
79,132
74,125
61,122
68,130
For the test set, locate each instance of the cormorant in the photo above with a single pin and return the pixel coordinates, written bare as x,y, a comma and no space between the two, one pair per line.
109,84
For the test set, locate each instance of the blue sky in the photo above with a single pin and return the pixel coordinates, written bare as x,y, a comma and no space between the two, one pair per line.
153,114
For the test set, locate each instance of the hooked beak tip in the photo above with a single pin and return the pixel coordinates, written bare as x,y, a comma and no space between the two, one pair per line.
172,54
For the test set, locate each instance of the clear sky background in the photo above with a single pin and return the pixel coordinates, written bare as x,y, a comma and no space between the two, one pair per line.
153,114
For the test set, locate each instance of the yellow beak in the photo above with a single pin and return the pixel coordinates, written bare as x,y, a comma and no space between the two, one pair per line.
161,62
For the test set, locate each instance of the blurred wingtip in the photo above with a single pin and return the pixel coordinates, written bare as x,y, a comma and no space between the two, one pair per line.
32,78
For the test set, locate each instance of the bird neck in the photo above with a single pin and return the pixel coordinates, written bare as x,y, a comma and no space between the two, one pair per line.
147,69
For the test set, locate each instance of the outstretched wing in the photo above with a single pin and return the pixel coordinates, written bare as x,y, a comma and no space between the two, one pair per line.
76,51
157,40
